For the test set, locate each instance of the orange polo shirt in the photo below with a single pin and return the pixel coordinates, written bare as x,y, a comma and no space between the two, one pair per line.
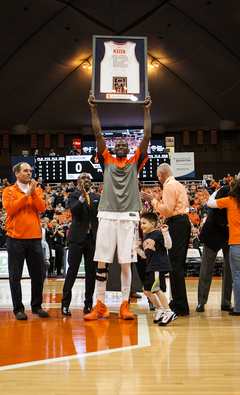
23,221
174,199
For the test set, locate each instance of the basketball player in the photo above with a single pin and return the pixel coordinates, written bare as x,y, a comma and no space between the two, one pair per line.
119,209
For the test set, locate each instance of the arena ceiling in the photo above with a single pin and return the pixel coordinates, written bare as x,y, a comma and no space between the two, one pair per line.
44,44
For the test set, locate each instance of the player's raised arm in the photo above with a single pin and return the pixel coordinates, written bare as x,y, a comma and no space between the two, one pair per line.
101,144
147,126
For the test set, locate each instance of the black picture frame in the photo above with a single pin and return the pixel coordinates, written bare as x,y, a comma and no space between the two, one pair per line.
119,69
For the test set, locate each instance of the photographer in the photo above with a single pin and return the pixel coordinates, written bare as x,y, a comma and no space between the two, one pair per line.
57,239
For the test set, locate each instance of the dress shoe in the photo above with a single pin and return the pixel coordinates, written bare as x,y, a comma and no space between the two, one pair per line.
234,313
87,310
41,313
181,313
21,316
135,295
227,308
200,308
65,311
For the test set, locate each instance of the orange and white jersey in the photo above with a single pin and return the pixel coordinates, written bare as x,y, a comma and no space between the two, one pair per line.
120,61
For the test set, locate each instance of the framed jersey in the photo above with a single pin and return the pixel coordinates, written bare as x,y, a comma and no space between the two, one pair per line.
119,69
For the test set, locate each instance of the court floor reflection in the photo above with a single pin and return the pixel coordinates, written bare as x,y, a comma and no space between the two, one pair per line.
39,339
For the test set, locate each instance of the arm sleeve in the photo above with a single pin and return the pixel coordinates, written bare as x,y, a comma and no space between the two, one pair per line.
38,201
169,197
10,204
167,240
140,252
212,202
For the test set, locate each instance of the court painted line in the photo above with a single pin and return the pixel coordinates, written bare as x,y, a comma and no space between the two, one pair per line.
143,341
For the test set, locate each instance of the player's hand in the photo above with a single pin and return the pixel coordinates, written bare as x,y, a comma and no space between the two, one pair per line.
164,228
91,100
148,101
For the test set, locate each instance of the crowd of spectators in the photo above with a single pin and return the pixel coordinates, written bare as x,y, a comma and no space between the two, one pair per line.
57,217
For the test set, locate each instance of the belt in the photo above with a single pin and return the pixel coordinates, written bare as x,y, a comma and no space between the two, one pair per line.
175,216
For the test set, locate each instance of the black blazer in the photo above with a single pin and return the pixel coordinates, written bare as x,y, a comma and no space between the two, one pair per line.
82,214
215,233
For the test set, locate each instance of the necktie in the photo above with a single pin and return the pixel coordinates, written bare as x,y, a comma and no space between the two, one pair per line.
88,200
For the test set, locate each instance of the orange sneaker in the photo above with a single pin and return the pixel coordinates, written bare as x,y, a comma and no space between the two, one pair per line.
124,312
99,311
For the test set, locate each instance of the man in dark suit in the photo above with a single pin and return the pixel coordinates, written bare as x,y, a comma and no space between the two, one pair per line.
215,235
81,237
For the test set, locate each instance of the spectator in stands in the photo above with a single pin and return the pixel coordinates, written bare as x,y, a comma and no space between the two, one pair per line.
229,179
74,151
213,186
57,243
48,189
204,209
194,217
40,183
3,235
52,153
224,182
59,209
58,198
70,187
49,212
186,186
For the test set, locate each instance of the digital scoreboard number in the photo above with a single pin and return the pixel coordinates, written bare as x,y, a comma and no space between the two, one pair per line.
51,168
75,165
149,170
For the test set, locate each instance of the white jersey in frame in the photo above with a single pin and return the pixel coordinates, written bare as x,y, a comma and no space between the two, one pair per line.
119,61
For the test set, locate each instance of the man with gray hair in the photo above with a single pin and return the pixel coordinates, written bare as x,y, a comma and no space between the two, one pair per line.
175,208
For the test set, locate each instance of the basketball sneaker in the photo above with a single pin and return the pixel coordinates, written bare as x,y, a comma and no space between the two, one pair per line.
124,312
169,316
99,311
159,315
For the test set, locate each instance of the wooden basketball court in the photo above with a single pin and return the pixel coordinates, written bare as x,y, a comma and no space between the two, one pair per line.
67,355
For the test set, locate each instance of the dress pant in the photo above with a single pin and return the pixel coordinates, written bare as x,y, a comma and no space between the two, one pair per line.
76,251
206,273
235,268
31,250
179,229
58,257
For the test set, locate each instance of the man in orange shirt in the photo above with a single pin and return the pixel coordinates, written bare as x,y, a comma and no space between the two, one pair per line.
23,202
175,208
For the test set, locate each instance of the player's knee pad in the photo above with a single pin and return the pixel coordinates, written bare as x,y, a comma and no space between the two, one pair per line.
101,271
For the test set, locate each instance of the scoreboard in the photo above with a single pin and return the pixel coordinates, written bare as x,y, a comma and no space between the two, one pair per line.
51,168
67,168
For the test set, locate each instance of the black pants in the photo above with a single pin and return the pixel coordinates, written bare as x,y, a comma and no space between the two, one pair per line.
179,229
206,273
74,259
31,250
58,248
